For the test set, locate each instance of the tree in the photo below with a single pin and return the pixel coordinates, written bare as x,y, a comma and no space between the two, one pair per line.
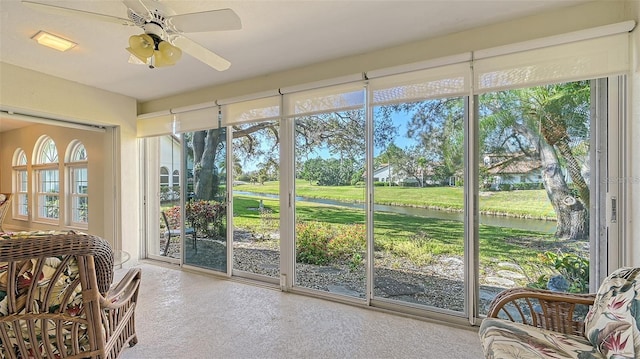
546,123
341,132
206,145
312,169
541,123
413,164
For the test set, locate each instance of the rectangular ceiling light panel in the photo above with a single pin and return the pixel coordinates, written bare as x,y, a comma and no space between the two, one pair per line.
53,41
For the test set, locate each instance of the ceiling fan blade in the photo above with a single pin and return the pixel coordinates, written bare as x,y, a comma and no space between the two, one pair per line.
138,7
59,10
214,20
201,53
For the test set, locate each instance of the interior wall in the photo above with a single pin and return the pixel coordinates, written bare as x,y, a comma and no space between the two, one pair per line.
26,138
35,93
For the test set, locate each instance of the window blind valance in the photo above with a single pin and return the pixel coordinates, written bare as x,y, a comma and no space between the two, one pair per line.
168,122
445,81
581,60
334,98
267,108
584,54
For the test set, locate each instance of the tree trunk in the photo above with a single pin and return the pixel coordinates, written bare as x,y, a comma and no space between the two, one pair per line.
205,173
572,216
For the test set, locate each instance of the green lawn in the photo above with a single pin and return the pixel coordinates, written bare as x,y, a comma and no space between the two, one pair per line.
416,238
528,204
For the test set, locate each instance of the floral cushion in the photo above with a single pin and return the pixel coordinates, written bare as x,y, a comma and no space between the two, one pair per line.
503,339
613,322
66,296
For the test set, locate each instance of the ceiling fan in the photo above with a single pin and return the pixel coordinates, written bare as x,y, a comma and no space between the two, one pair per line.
163,40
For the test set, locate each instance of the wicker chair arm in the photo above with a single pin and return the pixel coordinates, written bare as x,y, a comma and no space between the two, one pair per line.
560,312
121,293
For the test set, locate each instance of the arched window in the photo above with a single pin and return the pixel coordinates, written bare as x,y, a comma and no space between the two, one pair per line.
176,178
47,176
20,185
164,177
78,193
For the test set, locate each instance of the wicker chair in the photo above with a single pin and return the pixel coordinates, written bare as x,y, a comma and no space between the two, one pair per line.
72,300
526,322
4,207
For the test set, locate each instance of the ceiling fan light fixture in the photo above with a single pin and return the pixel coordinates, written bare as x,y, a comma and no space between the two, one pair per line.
141,46
167,54
55,42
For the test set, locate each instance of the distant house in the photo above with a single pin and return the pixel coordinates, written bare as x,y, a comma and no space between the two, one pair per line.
512,169
382,174
387,173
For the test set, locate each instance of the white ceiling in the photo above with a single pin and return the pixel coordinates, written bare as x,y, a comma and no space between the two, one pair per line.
275,35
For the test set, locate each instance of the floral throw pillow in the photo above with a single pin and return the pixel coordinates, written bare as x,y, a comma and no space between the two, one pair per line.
613,323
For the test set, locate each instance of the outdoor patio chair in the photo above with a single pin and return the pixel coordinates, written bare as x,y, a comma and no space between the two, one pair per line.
176,233
525,322
56,298
5,202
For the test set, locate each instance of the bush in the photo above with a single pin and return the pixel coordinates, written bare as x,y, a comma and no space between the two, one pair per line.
347,242
573,273
312,242
320,243
201,215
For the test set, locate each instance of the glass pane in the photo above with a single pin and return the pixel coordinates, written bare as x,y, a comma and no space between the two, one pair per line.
80,185
256,189
23,207
329,204
49,153
80,209
166,242
22,159
79,153
49,181
49,206
418,196
205,241
22,180
534,189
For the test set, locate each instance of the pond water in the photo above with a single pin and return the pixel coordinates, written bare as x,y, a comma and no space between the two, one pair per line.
498,221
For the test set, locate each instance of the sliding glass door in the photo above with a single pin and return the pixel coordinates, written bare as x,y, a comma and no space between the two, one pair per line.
205,204
256,192
535,151
418,222
330,236
163,179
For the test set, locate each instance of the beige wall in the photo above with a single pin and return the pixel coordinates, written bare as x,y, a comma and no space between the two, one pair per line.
26,138
35,93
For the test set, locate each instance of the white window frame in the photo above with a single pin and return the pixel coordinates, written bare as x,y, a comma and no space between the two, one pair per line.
46,162
77,160
20,186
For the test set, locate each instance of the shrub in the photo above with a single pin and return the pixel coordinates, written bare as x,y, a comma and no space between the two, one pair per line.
348,242
320,243
312,242
201,215
572,270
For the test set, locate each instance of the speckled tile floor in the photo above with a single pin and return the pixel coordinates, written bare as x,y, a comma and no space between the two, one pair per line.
189,315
